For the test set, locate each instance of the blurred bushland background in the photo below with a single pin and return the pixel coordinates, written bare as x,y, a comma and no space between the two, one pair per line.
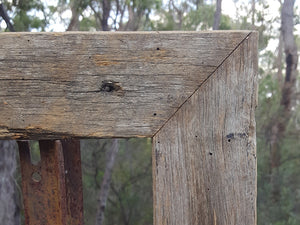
129,200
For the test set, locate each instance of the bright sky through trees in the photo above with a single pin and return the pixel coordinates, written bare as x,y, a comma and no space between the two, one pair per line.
228,8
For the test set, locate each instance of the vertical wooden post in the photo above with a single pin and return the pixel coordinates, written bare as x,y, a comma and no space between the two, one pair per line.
52,190
204,157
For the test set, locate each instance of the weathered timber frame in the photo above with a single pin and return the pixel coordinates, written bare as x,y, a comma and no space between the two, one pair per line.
194,93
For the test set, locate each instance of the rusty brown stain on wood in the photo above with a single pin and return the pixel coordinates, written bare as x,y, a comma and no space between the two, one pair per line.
204,157
52,189
215,218
45,194
73,181
53,81
103,60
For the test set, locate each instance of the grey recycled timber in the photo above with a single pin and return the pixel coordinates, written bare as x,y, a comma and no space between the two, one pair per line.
204,157
194,93
60,85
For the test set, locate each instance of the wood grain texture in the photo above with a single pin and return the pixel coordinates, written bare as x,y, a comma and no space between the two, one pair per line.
59,85
204,157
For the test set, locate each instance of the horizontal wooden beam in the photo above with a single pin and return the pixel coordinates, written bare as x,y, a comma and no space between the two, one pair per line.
58,85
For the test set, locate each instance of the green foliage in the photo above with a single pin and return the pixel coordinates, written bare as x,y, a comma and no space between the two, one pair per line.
286,211
193,18
132,185
201,19
130,197
87,23
35,154
262,23
24,14
165,23
226,23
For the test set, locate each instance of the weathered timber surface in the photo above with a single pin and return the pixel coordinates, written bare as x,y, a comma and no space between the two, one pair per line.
204,157
58,85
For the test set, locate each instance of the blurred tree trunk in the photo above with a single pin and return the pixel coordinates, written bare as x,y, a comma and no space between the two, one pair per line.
291,55
106,6
217,16
134,19
253,13
279,61
179,14
199,3
4,15
287,96
74,23
101,11
112,153
9,210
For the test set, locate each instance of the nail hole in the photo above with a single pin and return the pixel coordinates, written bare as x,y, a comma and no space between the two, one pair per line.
208,189
196,136
28,40
36,177
157,49
229,136
110,86
154,114
210,153
228,140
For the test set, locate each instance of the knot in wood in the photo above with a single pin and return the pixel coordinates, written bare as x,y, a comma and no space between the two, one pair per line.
110,86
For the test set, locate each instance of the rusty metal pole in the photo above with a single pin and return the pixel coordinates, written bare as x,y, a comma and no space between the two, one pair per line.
52,189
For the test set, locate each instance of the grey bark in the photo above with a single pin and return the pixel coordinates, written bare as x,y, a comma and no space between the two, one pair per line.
106,182
290,49
4,15
217,16
9,210
106,6
288,93
199,3
134,18
279,61
101,11
279,58
74,23
253,13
